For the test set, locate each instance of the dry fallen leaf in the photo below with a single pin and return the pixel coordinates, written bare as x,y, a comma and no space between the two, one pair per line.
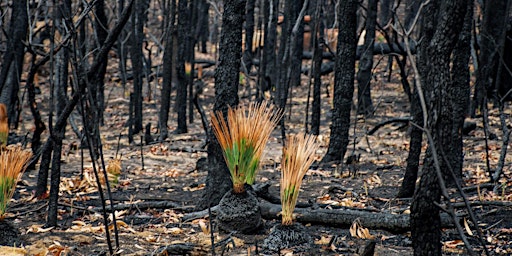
358,231
38,229
468,229
12,251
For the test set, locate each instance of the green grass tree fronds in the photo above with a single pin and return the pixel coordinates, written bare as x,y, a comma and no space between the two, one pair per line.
243,138
298,155
13,162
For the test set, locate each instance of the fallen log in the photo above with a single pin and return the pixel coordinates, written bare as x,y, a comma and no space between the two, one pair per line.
378,49
143,205
396,223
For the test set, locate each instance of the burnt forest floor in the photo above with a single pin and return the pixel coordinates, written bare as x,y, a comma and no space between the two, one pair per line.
166,173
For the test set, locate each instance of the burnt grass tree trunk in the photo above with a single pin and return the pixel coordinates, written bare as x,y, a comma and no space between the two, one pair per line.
492,34
163,114
12,60
364,74
137,21
344,81
218,180
288,236
425,219
63,12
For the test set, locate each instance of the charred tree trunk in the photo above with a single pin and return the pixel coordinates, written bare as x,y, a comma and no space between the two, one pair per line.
101,28
270,39
121,49
364,74
344,81
60,99
459,91
427,30
318,27
137,37
12,62
425,219
492,37
249,34
218,181
163,116
181,93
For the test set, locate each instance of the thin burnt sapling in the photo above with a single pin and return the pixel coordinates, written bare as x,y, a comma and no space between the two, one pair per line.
298,155
243,138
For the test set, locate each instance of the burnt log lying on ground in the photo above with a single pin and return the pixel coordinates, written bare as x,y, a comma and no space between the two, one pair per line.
379,49
396,223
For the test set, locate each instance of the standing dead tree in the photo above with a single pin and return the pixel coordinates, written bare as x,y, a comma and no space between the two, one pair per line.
90,77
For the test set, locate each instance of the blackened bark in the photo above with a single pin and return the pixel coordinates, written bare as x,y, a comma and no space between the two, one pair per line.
181,93
427,29
163,116
283,56
39,125
343,81
384,11
425,220
249,34
459,91
100,59
491,42
318,45
60,100
191,42
270,39
121,49
415,142
101,28
12,61
202,25
218,180
137,37
364,74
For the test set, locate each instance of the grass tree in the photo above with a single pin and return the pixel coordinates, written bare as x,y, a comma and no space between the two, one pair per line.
13,161
243,138
298,155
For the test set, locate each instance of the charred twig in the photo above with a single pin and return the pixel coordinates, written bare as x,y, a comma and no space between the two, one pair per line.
405,120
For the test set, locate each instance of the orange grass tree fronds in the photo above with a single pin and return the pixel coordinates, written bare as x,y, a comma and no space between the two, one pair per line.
243,138
4,125
298,155
13,162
